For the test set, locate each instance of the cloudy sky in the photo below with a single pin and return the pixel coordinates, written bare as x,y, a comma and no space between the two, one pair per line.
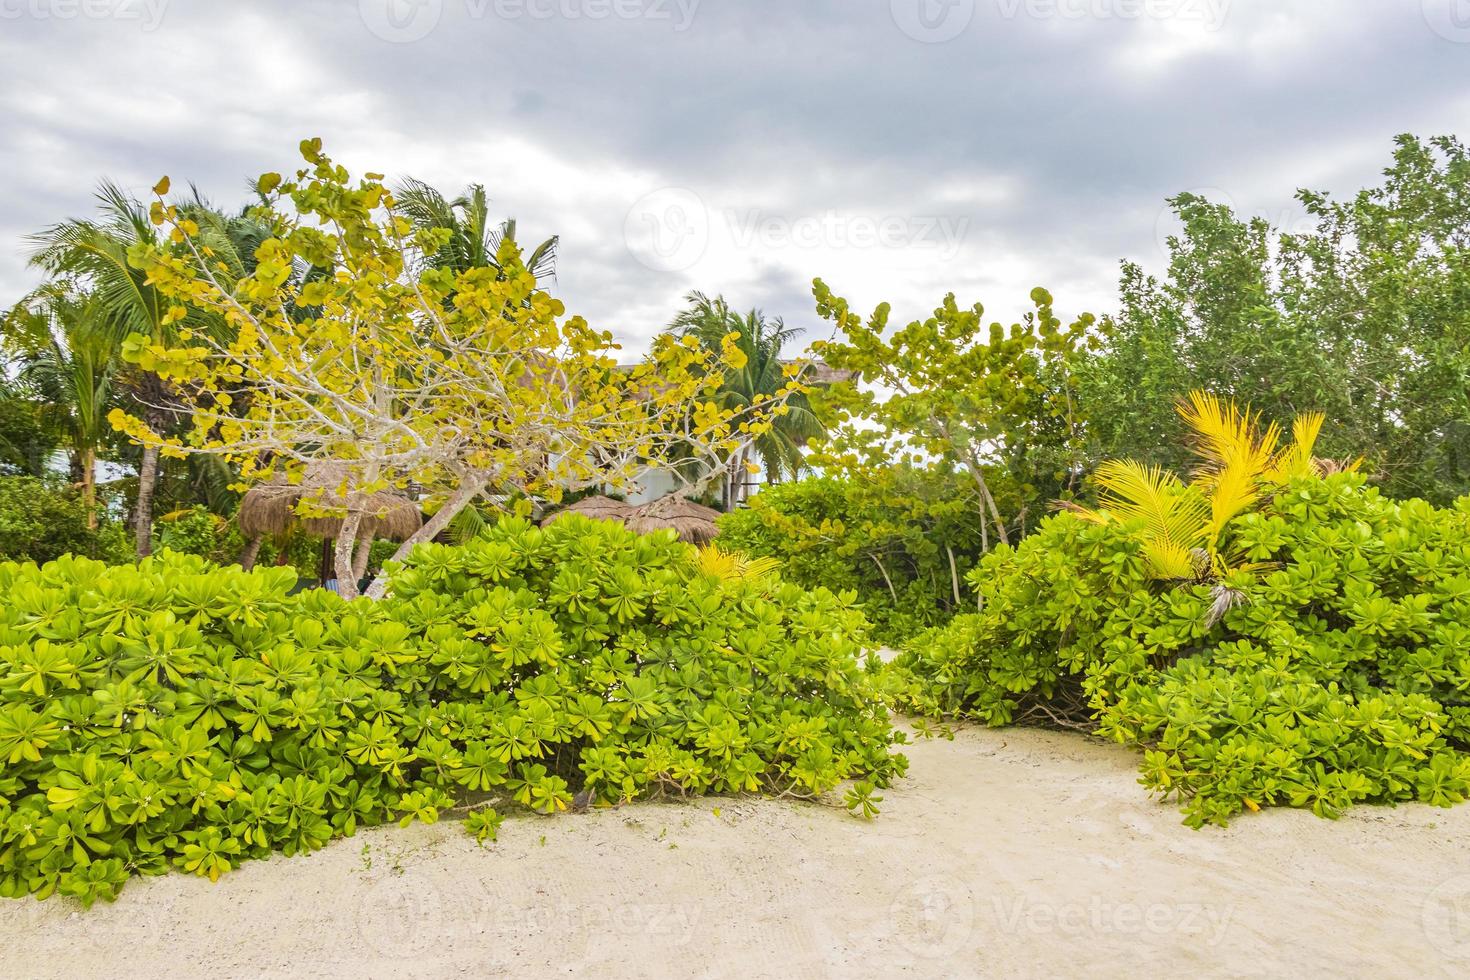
899,149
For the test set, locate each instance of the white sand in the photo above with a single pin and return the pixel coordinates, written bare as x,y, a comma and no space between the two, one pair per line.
1016,853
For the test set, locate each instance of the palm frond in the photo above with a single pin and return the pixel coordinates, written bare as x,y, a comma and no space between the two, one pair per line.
1169,559
1236,488
733,566
1297,459
1225,435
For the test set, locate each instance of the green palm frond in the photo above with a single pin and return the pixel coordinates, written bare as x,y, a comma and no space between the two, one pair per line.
473,241
467,525
63,355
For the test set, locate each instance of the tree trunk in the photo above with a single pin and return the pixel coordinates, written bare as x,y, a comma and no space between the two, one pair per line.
89,487
342,555
987,501
143,508
360,559
432,527
886,579
251,552
954,575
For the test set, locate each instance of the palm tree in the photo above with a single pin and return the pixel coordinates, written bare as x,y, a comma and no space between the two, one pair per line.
69,359
473,241
92,255
761,340
1240,461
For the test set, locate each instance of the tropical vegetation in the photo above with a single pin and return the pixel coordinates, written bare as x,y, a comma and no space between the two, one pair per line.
1273,632
176,714
1227,524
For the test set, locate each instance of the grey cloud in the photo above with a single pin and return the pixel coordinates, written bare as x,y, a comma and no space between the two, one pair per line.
1050,138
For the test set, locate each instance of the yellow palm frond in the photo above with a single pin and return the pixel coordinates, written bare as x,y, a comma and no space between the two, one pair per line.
1169,510
1226,437
1184,524
1168,559
1235,489
1297,459
733,566
1175,517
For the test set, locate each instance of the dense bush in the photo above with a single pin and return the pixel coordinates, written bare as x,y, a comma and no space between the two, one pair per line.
40,520
1335,672
199,531
179,714
903,540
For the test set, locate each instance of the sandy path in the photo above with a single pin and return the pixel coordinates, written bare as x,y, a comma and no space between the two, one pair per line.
1018,853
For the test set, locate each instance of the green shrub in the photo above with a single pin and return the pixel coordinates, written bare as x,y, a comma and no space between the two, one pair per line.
890,539
40,521
199,531
1337,672
177,714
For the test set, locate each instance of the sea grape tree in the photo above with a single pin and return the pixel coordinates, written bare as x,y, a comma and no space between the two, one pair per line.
950,391
346,343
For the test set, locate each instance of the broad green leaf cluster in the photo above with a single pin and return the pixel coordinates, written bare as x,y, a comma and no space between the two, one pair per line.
903,539
175,714
952,392
1336,672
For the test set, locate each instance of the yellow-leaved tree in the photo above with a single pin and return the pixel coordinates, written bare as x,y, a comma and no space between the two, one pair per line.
345,345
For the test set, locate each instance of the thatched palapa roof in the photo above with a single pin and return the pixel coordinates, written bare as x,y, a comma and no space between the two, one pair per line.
598,508
594,507
693,522
270,508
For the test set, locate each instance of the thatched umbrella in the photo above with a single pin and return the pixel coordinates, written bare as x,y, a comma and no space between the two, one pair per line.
693,522
597,507
270,508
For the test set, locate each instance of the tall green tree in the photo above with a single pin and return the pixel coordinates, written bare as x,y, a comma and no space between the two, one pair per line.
951,392
762,372
69,359
1364,316
474,239
92,254
25,440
